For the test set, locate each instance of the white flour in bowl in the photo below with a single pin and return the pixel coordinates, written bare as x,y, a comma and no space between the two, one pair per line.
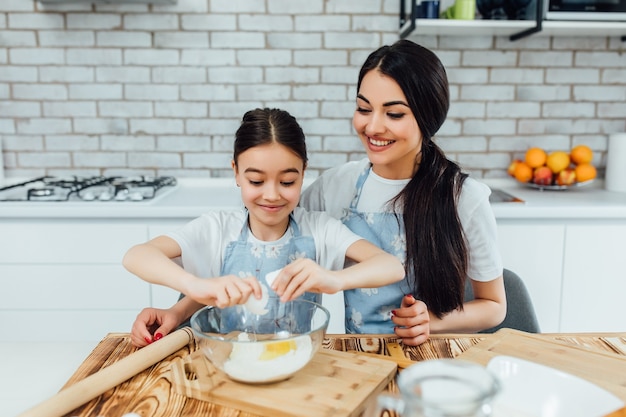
267,361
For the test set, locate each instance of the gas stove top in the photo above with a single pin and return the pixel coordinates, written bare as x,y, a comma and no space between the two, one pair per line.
87,189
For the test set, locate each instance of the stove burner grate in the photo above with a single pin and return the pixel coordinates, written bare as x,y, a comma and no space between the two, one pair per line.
96,188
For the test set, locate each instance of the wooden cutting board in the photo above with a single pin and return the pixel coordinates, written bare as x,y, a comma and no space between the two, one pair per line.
605,369
333,384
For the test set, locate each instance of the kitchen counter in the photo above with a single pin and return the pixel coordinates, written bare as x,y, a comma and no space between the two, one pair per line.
586,202
193,196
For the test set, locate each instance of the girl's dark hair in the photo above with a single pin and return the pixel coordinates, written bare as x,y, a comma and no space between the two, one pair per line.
437,255
264,126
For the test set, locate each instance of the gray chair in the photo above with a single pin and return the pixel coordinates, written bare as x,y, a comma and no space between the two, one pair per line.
520,312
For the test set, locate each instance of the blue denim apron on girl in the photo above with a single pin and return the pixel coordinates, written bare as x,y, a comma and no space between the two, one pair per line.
368,310
245,257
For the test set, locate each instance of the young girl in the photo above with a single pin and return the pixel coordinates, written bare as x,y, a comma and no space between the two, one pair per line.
236,249
410,200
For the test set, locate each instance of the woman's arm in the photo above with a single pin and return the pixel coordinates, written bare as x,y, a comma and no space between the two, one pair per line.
487,310
152,324
414,323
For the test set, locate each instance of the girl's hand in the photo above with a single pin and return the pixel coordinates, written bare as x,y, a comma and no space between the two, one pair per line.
225,291
412,321
152,324
304,275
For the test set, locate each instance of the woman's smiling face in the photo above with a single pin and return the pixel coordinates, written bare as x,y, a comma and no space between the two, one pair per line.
387,127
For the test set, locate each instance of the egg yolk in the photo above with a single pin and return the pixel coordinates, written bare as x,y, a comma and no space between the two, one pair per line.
275,349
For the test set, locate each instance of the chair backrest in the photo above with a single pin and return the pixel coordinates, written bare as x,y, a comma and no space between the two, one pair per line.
520,312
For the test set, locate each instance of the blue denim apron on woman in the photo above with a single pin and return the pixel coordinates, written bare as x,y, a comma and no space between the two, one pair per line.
368,310
245,257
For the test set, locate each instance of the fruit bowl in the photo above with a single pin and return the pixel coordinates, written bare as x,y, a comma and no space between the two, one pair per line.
556,187
261,348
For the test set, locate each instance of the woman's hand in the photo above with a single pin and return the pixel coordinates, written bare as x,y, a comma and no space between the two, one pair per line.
412,321
223,292
152,324
304,275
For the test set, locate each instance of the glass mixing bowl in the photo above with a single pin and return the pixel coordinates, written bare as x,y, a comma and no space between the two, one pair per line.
261,348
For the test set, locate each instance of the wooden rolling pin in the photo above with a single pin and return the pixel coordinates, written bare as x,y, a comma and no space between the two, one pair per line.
96,384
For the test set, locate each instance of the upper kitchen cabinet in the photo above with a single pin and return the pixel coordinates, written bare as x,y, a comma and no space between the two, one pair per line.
411,24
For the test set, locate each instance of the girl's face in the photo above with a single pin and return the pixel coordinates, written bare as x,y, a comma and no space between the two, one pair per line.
386,126
270,177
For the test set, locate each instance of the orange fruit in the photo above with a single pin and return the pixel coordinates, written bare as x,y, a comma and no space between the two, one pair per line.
522,172
585,172
581,154
557,161
511,168
535,157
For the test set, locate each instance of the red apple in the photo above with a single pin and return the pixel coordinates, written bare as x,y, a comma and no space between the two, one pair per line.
566,177
542,176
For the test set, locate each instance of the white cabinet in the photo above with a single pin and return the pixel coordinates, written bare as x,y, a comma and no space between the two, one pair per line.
534,251
575,271
63,280
595,278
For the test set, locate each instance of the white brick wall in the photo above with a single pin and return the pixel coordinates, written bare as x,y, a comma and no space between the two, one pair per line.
161,89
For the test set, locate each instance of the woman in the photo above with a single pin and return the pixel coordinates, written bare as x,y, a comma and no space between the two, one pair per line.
410,200
228,254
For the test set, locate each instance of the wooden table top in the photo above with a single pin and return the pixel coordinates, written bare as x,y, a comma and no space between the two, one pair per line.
139,394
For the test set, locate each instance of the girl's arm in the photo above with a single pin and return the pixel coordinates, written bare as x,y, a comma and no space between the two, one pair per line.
375,268
152,262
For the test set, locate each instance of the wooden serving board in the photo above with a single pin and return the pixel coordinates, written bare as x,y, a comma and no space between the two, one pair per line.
332,384
603,368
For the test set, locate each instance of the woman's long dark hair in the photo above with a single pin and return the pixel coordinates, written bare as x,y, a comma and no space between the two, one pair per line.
437,256
263,126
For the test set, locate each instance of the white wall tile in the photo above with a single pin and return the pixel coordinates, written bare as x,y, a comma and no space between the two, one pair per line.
93,21
66,38
35,20
37,56
135,39
116,108
72,143
38,159
66,74
95,91
69,109
154,21
20,109
128,143
15,38
156,126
